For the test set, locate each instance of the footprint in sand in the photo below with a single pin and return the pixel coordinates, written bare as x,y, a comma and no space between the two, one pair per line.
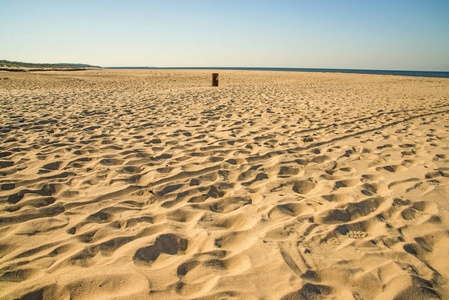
346,183
357,234
170,244
304,186
391,168
289,210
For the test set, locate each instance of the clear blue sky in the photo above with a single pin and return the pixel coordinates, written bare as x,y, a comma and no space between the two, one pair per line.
362,34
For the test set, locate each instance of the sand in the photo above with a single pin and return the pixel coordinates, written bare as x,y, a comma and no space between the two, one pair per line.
151,184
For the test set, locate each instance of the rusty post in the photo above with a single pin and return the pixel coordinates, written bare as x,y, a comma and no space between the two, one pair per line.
214,79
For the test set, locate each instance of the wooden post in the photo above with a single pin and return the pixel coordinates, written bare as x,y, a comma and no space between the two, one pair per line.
214,79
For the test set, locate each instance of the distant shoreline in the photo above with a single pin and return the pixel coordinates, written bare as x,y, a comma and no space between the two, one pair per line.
16,66
435,74
45,69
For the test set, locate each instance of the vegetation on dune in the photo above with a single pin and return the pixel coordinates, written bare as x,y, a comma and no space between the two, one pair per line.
23,66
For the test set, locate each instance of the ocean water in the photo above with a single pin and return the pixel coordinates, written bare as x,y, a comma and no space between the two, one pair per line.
354,71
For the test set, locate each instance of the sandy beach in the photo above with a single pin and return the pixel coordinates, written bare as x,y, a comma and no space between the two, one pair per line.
152,184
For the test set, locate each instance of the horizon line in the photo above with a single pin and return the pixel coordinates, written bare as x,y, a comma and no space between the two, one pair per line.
263,68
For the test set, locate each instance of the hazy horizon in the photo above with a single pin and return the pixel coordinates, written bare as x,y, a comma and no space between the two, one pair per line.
381,35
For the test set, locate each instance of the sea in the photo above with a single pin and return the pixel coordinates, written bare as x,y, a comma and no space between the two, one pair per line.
439,74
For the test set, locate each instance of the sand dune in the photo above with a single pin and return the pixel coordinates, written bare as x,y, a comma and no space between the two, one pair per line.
151,184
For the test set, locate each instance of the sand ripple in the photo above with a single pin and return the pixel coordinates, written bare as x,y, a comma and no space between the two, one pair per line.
151,184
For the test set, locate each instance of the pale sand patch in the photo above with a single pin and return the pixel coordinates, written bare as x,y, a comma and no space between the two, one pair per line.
152,184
